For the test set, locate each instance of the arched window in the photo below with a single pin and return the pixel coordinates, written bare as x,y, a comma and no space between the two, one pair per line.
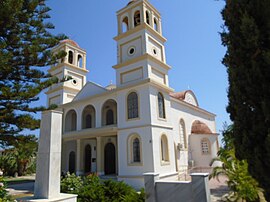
137,18
147,17
109,113
71,121
74,121
109,117
71,162
79,61
88,117
161,106
205,146
132,106
164,148
88,121
136,150
182,132
70,57
155,24
125,25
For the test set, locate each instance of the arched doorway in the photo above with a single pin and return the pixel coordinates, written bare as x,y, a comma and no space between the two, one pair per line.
109,160
71,162
87,159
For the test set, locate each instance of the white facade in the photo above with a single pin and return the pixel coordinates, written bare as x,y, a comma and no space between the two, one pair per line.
140,125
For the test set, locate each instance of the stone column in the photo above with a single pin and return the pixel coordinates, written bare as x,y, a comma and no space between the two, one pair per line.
149,184
47,184
99,157
78,158
200,187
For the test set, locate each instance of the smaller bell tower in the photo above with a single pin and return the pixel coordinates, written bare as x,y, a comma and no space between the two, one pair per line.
73,65
140,44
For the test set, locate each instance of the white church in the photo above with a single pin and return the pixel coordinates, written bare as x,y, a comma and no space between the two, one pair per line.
140,124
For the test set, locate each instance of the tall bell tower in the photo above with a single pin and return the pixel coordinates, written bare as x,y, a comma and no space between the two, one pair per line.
74,65
140,45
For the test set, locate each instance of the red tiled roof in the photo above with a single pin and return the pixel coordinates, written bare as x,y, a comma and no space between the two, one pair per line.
199,127
132,1
70,42
179,95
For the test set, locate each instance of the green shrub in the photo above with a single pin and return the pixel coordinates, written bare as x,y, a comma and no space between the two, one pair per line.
71,184
4,197
117,190
92,189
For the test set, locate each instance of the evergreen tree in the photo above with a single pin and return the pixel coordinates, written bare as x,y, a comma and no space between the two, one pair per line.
247,38
25,47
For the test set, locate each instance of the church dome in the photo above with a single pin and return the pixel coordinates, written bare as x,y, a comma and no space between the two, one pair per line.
111,87
71,42
199,127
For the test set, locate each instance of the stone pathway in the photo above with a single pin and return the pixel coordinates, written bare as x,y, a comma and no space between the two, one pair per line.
218,189
23,187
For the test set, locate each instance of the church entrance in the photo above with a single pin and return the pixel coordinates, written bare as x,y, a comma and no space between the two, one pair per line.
87,159
109,159
71,162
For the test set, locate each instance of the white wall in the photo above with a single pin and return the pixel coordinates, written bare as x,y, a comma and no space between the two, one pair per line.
125,167
200,159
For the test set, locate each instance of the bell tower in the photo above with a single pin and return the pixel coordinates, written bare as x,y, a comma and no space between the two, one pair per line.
73,65
140,45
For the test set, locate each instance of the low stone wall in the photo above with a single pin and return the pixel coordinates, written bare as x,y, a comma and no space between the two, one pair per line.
196,190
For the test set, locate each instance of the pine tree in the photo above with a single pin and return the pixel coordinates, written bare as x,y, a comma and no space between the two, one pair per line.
25,44
247,38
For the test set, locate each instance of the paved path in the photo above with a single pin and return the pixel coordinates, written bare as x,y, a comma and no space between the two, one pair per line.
218,189
22,188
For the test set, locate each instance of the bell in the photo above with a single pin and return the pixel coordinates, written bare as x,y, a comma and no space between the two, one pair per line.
137,19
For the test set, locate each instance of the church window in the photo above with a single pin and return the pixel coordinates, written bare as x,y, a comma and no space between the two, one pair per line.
79,61
136,151
137,18
147,17
125,25
205,146
155,24
164,149
109,117
132,106
74,82
131,50
70,57
71,121
109,113
88,121
182,132
88,117
161,106
154,51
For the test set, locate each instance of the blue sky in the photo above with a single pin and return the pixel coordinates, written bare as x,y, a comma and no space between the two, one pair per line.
193,48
